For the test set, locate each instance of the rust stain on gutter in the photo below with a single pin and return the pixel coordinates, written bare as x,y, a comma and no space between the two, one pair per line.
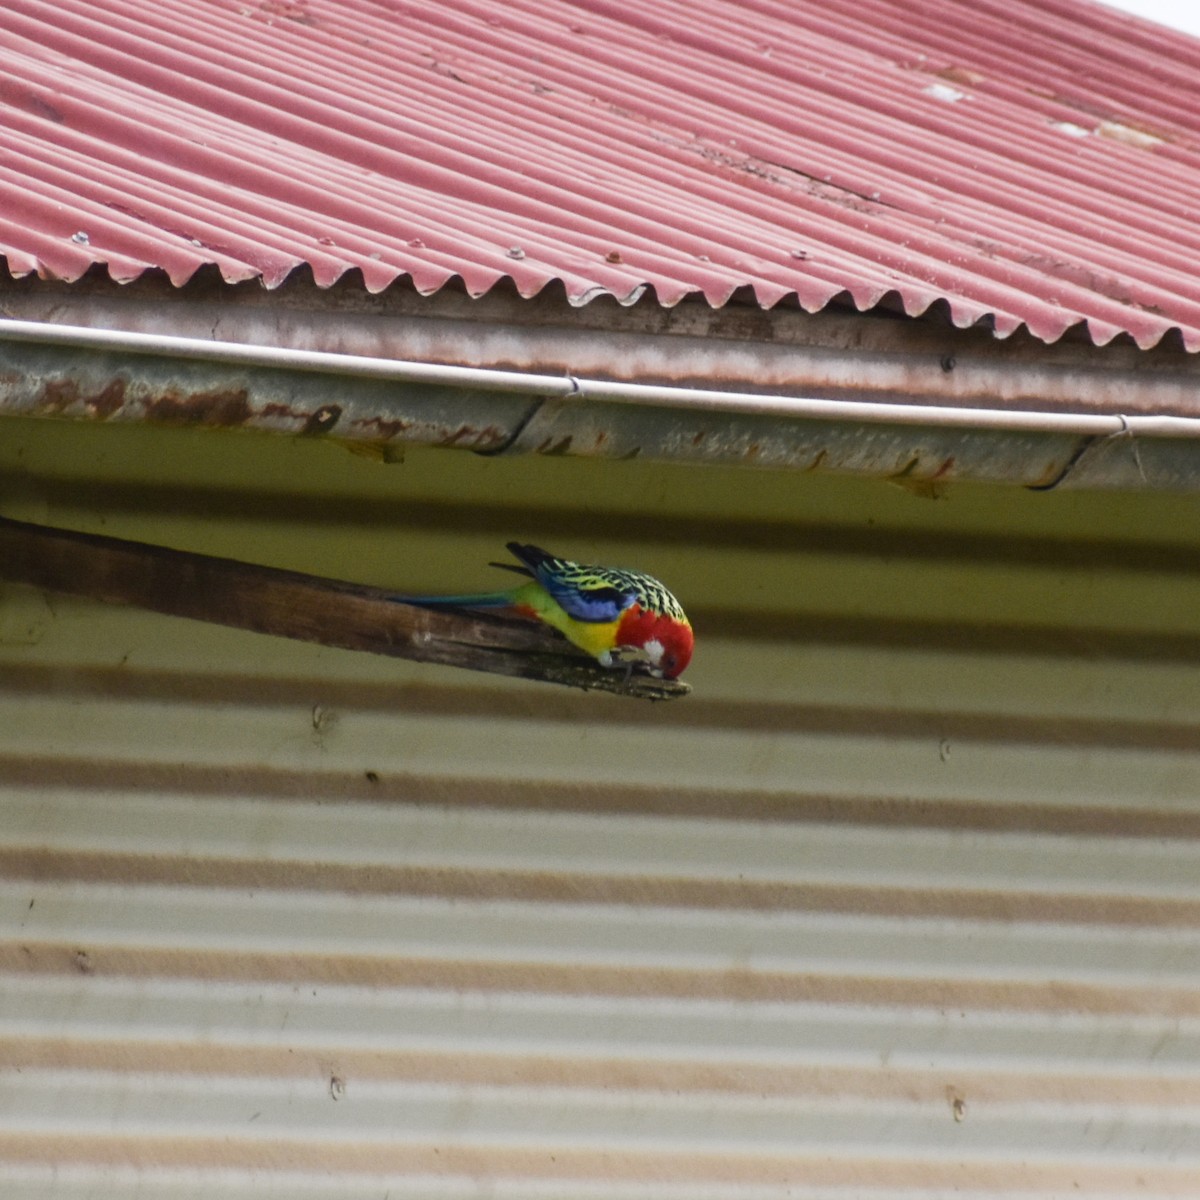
222,408
62,395
379,429
218,407
488,437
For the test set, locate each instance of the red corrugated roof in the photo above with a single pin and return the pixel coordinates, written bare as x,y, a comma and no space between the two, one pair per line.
1027,162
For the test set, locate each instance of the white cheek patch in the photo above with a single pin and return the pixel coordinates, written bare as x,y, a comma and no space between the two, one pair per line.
650,653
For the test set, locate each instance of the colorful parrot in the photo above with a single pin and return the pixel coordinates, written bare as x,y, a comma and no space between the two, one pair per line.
614,615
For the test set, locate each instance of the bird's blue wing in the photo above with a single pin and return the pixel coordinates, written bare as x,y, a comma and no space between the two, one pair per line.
587,598
593,594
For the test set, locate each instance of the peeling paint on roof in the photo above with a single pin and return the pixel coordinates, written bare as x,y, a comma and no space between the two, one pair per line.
1028,163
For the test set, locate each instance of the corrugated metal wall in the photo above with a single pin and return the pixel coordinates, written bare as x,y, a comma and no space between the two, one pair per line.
903,901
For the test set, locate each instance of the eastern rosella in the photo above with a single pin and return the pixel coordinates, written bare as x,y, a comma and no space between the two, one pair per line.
614,615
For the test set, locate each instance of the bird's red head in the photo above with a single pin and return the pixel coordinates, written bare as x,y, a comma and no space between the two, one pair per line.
666,642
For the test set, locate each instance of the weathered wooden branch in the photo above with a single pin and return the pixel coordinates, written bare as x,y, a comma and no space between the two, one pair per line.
306,607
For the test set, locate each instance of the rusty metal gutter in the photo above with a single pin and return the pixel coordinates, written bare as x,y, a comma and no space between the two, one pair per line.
105,374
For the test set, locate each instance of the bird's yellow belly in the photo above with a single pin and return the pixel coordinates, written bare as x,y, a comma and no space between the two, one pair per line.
592,637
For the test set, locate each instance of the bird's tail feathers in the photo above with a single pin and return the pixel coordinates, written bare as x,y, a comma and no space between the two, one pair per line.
475,600
516,570
530,558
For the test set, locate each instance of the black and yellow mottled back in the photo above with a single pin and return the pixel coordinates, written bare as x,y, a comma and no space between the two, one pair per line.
591,593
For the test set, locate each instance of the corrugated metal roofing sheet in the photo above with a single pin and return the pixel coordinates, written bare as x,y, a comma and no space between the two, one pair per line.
1026,162
910,917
